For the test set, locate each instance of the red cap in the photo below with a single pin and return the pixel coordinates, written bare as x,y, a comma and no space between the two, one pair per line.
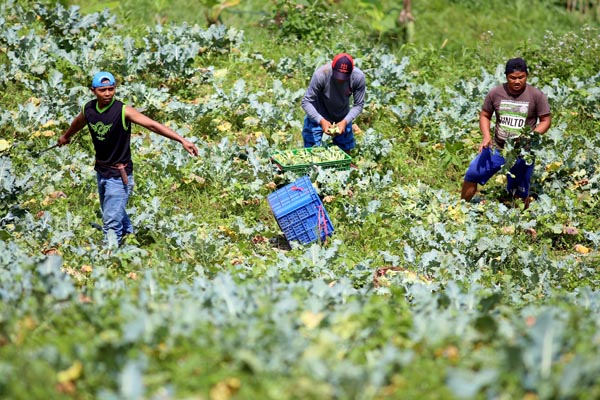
342,66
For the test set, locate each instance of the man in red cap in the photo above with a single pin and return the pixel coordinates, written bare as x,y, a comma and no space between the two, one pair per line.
327,102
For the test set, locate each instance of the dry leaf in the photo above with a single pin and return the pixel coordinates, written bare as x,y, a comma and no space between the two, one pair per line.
581,249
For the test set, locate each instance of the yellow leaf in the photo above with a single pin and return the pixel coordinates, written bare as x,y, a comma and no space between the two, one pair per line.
49,123
225,389
220,73
194,178
4,145
456,214
581,249
29,202
310,319
508,230
227,231
553,166
70,374
252,121
28,323
530,396
224,127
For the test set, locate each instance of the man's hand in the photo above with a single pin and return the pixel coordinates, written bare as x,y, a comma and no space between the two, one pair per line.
190,147
334,129
485,143
342,126
76,125
325,125
63,140
485,119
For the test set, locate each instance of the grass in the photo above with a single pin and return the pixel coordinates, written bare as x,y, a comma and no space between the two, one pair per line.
453,25
450,36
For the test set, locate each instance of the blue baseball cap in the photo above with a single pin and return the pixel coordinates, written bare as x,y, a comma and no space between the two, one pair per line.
103,76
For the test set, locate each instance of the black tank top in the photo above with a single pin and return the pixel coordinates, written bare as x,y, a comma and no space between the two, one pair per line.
111,135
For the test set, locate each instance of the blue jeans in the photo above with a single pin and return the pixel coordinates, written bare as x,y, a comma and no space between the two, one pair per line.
114,195
312,133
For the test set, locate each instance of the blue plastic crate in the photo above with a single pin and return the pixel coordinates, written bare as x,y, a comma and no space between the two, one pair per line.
300,212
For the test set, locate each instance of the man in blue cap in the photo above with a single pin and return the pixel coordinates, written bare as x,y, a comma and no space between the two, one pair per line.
517,105
109,122
327,102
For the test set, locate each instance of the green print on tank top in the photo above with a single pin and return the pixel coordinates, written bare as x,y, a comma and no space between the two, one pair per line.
100,129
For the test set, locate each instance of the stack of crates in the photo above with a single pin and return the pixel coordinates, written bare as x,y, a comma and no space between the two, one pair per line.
300,212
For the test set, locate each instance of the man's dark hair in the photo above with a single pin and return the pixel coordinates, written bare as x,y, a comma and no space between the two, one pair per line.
515,64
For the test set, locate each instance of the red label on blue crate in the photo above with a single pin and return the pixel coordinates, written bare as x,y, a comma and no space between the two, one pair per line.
300,212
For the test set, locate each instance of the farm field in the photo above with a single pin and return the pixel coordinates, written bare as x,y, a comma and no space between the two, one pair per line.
415,295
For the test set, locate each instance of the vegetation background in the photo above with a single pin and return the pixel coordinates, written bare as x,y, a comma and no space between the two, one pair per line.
416,295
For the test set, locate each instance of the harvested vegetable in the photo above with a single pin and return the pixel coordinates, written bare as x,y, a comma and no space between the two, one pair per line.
333,130
313,155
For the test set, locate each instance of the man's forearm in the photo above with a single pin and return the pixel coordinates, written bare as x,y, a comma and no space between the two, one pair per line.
76,125
544,125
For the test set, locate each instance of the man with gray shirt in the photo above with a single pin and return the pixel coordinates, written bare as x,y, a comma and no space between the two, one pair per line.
516,105
327,102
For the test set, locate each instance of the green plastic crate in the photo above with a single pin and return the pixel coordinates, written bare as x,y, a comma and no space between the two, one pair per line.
334,158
